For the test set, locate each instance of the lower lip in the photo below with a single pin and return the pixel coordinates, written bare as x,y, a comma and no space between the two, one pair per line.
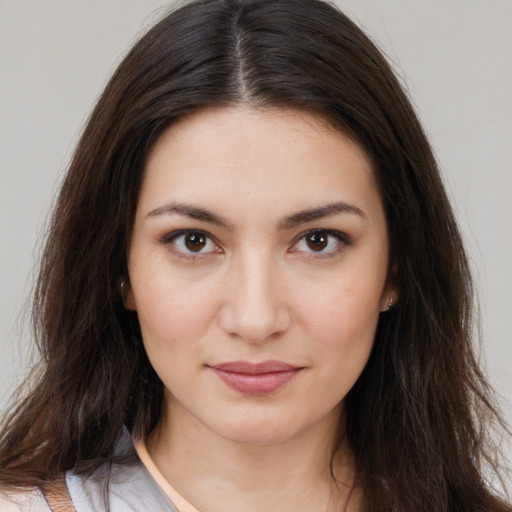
258,383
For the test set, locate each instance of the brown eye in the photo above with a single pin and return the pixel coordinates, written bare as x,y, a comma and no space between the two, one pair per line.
321,242
195,242
317,241
191,243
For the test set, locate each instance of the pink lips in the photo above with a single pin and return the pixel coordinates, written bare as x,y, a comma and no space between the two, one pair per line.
255,378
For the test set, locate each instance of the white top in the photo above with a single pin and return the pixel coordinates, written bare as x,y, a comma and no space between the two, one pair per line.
137,487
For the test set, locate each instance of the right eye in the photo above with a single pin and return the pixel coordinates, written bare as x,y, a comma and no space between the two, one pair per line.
191,243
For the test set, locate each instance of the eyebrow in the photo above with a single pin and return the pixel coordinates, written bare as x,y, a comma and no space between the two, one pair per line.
321,212
301,217
194,212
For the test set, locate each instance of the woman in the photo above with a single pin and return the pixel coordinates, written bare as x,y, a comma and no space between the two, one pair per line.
254,294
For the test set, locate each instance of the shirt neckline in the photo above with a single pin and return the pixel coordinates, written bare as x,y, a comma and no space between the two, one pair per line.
176,498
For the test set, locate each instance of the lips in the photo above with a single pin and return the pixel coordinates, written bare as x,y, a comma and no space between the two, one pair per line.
255,378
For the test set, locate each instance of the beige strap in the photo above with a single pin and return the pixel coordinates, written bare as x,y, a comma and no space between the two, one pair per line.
57,496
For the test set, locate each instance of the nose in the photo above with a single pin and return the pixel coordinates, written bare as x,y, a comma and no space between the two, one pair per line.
255,306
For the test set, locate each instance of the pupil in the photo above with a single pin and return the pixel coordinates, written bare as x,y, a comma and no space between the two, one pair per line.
317,241
195,241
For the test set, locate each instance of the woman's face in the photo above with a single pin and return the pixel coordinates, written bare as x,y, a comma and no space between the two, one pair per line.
258,270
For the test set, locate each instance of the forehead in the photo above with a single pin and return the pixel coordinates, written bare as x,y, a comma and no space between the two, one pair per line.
247,157
251,127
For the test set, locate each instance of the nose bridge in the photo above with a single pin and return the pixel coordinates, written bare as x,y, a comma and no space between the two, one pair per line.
255,307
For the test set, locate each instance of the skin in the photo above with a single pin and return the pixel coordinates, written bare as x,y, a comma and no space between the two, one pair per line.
259,288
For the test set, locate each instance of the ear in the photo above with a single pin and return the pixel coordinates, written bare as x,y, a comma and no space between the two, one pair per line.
127,295
389,300
390,293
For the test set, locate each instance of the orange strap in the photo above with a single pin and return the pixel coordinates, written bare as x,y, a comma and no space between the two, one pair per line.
57,496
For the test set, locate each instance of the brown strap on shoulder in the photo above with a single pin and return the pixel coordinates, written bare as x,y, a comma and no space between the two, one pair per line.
57,496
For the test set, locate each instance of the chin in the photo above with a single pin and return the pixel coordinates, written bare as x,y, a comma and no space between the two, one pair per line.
262,430
258,436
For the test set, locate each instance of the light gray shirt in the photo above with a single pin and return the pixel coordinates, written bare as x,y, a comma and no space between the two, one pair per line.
131,489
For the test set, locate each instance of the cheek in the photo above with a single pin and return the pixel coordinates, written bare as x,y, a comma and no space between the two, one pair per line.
344,308
344,335
172,308
173,324
171,314
345,339
340,317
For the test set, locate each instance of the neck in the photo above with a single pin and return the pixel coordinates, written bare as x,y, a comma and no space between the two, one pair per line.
293,475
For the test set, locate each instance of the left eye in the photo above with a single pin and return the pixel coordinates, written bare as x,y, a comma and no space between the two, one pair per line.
192,242
320,242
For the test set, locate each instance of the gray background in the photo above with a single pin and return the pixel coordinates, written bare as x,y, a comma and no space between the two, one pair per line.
455,57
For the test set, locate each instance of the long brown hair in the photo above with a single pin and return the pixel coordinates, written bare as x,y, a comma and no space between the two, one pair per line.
419,419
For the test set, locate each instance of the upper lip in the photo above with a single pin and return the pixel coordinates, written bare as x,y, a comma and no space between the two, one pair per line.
255,368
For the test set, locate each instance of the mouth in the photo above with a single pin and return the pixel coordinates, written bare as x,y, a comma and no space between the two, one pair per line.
255,378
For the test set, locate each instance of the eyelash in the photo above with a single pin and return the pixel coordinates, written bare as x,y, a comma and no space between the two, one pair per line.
170,241
342,241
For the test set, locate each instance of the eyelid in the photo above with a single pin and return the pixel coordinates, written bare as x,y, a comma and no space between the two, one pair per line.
167,240
343,239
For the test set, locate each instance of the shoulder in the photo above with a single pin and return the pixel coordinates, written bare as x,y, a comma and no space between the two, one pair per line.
126,487
23,501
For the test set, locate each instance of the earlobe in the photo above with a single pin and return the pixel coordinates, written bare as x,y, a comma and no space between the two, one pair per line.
127,298
391,291
389,300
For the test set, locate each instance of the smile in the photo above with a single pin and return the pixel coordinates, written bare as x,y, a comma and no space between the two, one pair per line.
255,378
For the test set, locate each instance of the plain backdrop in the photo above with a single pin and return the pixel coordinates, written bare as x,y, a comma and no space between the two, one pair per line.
454,56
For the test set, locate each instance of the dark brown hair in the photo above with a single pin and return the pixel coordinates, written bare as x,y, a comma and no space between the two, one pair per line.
420,417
